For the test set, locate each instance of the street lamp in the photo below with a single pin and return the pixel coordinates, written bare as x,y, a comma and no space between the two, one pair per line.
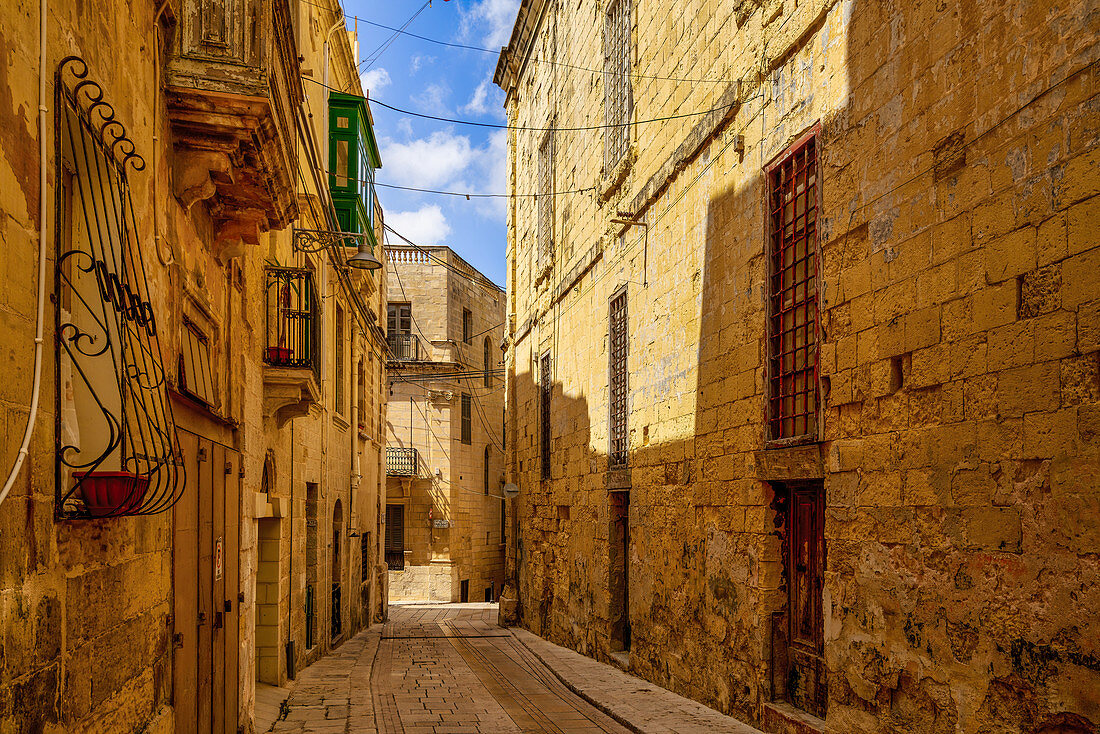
364,259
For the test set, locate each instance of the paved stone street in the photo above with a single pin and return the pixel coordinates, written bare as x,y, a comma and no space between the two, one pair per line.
449,669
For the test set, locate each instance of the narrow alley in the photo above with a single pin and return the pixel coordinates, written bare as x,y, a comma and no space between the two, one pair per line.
450,668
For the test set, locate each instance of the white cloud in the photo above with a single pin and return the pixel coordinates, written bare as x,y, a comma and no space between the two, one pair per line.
493,162
492,20
479,103
425,226
418,62
433,99
428,162
375,80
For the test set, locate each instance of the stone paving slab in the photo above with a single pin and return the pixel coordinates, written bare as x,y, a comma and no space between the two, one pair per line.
637,704
326,698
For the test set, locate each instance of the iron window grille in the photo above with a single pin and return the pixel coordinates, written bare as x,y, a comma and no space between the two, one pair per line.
794,318
544,415
117,447
467,325
617,378
293,318
401,462
545,201
467,420
618,94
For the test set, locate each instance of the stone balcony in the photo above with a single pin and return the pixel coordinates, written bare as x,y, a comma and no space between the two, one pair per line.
233,86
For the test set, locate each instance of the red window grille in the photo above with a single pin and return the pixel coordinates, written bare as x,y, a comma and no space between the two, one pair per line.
618,379
794,315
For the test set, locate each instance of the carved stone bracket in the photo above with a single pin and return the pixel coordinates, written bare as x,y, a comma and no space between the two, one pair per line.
289,393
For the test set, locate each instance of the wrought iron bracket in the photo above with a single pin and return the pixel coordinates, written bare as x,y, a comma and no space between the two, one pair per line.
316,240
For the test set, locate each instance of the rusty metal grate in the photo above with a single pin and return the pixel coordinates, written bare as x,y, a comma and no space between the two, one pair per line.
794,316
616,79
617,377
544,414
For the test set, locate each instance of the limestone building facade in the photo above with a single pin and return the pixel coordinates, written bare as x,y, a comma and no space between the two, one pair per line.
203,481
803,358
444,427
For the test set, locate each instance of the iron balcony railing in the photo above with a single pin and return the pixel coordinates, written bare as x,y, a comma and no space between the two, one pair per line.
405,348
293,319
401,462
395,560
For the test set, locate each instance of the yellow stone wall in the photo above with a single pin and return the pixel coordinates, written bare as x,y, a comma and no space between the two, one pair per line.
87,605
427,415
962,504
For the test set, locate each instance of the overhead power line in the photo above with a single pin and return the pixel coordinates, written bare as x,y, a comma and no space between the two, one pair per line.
476,195
526,128
496,52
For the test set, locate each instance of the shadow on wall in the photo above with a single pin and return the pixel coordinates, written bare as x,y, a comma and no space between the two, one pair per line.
926,618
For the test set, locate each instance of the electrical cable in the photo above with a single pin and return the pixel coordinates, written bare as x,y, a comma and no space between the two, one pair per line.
482,281
526,128
472,195
496,52
372,58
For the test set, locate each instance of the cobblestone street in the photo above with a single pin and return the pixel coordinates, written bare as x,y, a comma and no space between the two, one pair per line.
449,669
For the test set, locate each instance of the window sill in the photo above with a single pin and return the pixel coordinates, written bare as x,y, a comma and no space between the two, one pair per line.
340,421
611,181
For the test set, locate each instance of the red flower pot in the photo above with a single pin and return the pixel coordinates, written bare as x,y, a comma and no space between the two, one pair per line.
112,492
279,355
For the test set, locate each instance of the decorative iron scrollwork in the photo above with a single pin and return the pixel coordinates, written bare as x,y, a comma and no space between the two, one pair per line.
118,453
315,240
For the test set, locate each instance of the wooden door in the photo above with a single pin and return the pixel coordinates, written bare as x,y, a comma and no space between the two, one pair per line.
206,583
806,681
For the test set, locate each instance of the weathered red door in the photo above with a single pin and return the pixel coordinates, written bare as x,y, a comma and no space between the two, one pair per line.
806,622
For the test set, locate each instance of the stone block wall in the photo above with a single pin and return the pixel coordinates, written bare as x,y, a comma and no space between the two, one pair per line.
426,414
958,370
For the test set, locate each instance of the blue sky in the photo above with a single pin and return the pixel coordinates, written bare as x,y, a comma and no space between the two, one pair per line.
446,82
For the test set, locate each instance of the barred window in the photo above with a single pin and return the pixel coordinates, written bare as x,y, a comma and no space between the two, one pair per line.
467,325
467,422
544,414
546,201
618,342
617,96
792,346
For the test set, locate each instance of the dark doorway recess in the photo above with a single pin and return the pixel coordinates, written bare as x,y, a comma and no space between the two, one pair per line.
619,569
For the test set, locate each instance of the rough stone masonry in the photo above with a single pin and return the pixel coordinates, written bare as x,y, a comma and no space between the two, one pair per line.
947,581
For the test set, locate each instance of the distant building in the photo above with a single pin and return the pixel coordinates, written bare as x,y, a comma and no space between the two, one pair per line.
804,354
444,428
